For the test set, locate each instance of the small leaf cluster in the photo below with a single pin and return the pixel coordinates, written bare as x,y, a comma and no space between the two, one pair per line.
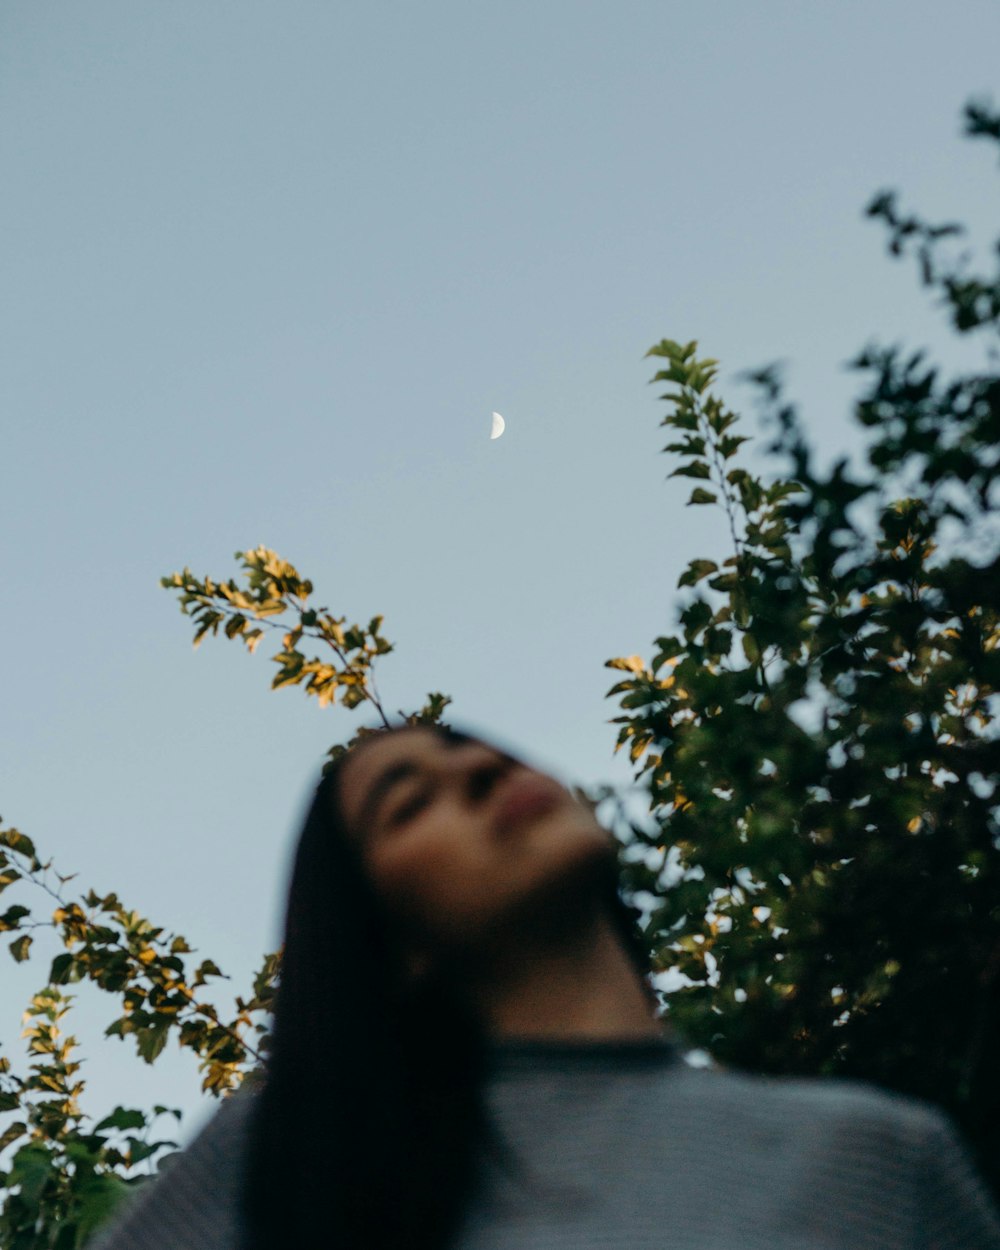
64,1178
970,300
66,1174
819,735
143,966
273,596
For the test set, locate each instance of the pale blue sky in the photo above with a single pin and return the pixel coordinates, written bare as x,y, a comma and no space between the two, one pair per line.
266,270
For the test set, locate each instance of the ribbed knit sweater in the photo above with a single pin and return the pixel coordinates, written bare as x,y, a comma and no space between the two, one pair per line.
624,1146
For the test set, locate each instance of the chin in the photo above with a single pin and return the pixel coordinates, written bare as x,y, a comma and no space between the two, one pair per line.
582,867
576,836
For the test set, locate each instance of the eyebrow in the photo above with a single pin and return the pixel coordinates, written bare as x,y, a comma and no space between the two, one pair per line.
406,768
381,786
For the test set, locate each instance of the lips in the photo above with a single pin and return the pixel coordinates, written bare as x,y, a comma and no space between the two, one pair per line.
523,796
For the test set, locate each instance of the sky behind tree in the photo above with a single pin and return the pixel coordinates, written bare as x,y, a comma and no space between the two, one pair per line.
267,271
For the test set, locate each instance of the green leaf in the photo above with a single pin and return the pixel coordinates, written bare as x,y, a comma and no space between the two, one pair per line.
174,1111
12,1132
235,625
700,495
689,447
20,946
728,447
720,421
12,917
122,1118
99,1195
151,1039
31,1169
695,617
697,468
63,969
207,968
19,842
695,571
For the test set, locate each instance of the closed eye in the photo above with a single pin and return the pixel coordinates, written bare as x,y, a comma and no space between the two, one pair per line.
409,808
478,785
482,780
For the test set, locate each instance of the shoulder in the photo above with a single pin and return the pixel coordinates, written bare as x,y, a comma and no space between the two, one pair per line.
828,1097
195,1199
843,1131
218,1148
855,1139
810,1107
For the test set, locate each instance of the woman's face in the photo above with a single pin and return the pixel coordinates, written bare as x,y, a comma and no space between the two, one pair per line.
461,841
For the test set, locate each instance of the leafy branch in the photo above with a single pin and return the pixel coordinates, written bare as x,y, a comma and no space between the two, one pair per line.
275,597
819,736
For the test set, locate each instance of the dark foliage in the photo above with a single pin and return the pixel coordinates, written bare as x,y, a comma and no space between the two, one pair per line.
820,737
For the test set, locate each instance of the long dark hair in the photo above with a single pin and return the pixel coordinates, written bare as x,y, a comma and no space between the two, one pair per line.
368,1130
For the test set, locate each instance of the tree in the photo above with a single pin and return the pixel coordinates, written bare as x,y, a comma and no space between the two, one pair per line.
67,1173
820,737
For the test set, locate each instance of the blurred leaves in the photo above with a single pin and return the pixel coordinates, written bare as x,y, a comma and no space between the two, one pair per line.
63,1179
820,734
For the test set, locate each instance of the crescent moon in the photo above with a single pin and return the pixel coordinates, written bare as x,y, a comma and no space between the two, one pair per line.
498,425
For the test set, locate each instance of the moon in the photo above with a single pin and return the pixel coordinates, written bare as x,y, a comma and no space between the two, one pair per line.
498,425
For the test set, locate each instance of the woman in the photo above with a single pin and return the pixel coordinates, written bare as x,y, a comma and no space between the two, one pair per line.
467,1056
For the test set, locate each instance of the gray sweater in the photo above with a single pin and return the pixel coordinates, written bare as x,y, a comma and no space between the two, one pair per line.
626,1147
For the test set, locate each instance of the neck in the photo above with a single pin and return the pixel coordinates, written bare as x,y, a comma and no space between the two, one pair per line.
584,987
